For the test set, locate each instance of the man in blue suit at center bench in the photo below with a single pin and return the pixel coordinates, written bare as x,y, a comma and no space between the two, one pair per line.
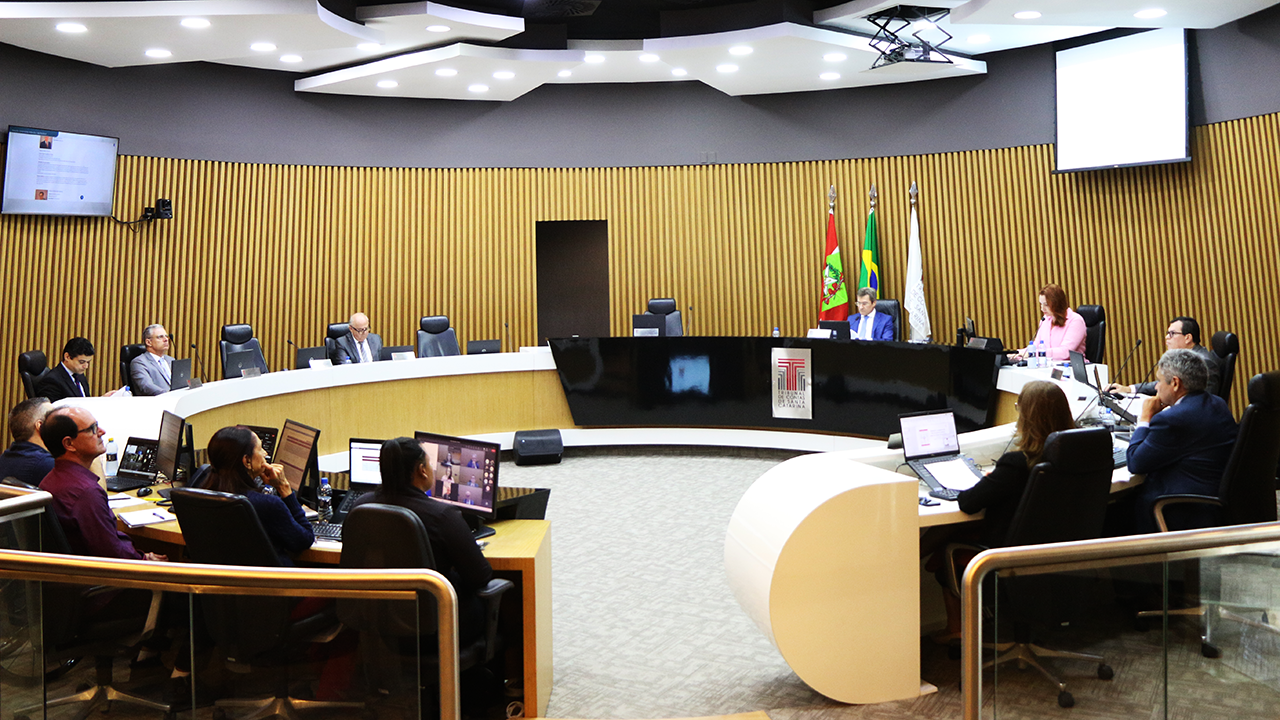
869,324
1182,443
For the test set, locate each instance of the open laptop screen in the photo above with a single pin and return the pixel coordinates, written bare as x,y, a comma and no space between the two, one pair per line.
365,465
293,450
929,434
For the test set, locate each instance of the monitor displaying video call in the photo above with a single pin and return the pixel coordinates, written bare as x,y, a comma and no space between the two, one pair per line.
466,471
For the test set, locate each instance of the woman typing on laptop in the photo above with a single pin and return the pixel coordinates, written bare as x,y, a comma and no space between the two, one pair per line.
1061,329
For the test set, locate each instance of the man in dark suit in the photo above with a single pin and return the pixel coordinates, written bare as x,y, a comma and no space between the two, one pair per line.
869,324
150,373
1182,442
358,345
67,379
1183,333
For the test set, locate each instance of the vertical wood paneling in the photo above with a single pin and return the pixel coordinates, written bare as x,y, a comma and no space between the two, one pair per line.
292,248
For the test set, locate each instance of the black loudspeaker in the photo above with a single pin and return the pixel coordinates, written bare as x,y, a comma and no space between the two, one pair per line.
538,447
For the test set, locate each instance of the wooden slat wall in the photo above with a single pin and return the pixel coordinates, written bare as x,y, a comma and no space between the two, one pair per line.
291,248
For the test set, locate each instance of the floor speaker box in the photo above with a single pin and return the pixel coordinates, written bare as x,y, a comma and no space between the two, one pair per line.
538,447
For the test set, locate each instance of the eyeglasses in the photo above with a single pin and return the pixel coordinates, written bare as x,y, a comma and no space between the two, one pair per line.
91,429
1171,333
359,330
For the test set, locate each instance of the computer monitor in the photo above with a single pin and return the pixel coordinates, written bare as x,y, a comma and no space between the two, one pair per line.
839,327
648,325
268,437
366,467
296,451
466,476
170,445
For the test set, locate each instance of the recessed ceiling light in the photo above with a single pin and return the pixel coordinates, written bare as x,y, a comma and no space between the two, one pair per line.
478,88
195,23
835,57
679,72
159,53
438,28
1027,15
388,84
446,72
291,58
740,50
71,27
594,59
727,68
830,76
262,47
564,73
923,25
1150,14
979,39
649,57
369,47
504,75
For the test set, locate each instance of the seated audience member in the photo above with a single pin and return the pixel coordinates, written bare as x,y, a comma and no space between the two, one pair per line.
358,345
150,373
27,459
869,324
74,440
1062,329
67,378
237,461
1183,334
406,477
1182,442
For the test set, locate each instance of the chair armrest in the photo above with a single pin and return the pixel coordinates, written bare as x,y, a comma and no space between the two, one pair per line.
491,597
1184,499
953,573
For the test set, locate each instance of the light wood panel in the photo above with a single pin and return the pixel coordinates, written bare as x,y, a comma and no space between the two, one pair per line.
292,248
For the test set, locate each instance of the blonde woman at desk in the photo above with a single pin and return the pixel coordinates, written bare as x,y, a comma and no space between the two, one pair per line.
1042,410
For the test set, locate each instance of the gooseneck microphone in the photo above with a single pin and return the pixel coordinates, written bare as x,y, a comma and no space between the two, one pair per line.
690,321
505,341
199,360
1124,365
295,353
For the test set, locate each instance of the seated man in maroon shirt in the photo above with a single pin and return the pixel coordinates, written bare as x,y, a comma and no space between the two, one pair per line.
72,436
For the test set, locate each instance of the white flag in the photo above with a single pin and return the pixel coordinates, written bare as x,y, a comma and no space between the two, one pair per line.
914,295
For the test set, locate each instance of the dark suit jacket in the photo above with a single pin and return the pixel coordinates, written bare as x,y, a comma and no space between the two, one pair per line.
345,354
1184,450
1210,359
881,328
56,384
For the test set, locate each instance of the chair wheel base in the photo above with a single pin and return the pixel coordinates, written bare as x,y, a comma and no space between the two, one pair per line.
1210,651
1105,672
1065,700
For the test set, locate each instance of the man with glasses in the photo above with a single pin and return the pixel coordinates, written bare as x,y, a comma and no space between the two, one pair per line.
358,345
72,436
150,373
1183,334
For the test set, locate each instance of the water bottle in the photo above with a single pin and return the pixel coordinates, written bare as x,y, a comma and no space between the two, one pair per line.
1044,356
112,464
324,500
777,333
1107,419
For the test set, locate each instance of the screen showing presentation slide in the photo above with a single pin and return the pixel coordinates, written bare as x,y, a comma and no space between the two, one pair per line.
49,172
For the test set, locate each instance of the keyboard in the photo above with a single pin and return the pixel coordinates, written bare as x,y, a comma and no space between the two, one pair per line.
327,531
936,489
1119,457
117,483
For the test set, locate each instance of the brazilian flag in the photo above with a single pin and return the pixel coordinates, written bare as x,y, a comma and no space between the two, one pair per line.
869,276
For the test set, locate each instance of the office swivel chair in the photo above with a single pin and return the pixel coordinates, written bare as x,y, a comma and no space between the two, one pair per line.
1246,494
388,536
1095,331
893,309
238,338
436,338
1065,500
31,365
667,307
1227,347
127,354
251,632
331,335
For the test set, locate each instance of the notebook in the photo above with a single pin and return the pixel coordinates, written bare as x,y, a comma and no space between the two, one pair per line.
137,466
931,448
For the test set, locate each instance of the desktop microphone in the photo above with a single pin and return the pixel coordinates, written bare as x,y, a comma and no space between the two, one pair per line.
505,341
690,320
295,351
199,360
1129,357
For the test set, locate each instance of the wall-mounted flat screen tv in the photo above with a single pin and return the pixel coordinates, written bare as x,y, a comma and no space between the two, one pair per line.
53,172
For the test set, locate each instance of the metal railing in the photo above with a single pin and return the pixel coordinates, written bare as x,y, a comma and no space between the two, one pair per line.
1083,555
380,584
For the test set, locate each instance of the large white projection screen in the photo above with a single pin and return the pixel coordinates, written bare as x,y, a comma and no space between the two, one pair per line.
1123,102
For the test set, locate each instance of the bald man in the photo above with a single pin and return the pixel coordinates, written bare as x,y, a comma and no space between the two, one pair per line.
358,345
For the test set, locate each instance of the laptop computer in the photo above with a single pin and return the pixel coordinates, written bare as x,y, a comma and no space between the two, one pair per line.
366,476
137,465
483,347
309,356
931,448
243,364
1105,399
839,327
646,325
396,352
179,374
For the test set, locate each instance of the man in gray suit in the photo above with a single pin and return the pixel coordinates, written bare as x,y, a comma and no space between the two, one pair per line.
149,373
358,345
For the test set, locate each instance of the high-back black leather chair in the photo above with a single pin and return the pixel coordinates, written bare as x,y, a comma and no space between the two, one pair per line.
223,529
893,309
331,335
239,338
389,536
1095,331
667,307
127,354
31,365
436,338
1227,347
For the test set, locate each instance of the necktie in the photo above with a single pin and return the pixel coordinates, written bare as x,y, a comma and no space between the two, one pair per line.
364,352
864,332
164,369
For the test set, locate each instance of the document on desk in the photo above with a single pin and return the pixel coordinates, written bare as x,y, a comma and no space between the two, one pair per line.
138,518
954,474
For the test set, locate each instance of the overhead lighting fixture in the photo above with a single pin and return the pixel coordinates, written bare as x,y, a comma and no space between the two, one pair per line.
979,39
1150,14
388,84
679,72
835,57
478,88
1027,15
446,72
291,58
195,23
649,58
564,73
925,24
159,53
438,28
741,50
263,47
907,33
727,68
504,75
369,47
594,59
71,27
830,76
